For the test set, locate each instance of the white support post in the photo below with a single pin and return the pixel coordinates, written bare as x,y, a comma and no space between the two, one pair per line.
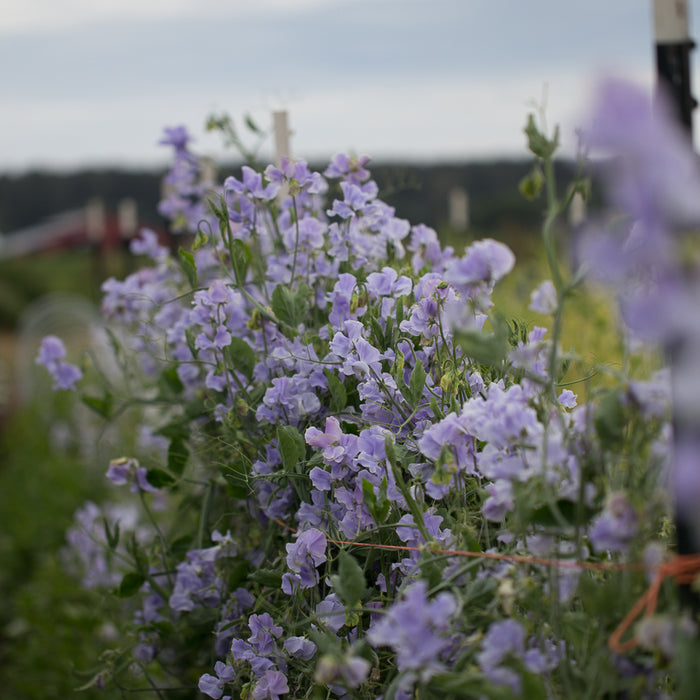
670,21
673,47
458,207
280,124
127,218
95,221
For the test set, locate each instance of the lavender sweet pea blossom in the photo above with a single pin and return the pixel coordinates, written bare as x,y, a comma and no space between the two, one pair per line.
300,647
86,546
567,398
176,136
50,355
296,174
271,686
125,471
251,185
305,555
484,261
504,643
503,640
198,582
213,685
356,200
351,169
426,249
416,628
264,633
616,526
544,299
330,612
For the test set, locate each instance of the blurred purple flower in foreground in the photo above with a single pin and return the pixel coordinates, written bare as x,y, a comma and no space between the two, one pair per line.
654,180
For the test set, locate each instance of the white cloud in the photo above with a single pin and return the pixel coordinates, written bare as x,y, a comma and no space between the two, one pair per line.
22,16
407,120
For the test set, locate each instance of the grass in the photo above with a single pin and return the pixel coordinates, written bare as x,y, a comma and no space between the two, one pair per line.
50,628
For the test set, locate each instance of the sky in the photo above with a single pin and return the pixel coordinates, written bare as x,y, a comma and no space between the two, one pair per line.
92,83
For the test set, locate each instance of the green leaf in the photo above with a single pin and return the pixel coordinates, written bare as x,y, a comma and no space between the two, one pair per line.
237,478
188,266
159,478
399,311
431,572
130,585
350,581
267,577
610,420
487,348
288,306
178,455
169,382
368,496
537,142
390,450
137,552
604,598
112,536
417,382
533,686
291,446
250,123
339,395
389,333
531,185
241,357
176,429
241,259
568,509
102,407
397,371
200,239
238,574
378,506
191,339
377,332
469,685
98,678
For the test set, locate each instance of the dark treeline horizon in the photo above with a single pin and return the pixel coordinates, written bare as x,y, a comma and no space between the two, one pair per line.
418,192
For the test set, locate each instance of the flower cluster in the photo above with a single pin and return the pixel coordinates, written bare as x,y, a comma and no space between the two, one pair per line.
332,388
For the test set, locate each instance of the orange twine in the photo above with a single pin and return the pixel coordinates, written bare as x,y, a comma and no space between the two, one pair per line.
683,568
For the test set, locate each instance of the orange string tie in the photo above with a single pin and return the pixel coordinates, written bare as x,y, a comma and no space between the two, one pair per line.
684,568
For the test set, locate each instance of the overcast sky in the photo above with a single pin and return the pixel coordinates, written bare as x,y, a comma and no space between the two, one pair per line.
93,82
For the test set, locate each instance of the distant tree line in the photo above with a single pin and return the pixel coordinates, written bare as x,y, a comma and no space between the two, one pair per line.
419,193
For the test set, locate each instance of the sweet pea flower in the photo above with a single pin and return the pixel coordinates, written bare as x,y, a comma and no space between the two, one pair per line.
417,630
271,686
544,299
50,355
125,470
306,554
213,685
